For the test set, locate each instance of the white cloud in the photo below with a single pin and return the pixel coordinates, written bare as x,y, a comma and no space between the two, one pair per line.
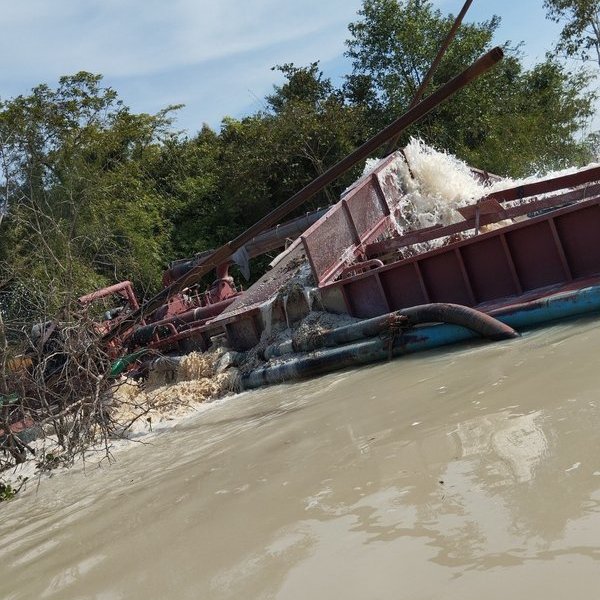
215,55
227,86
139,37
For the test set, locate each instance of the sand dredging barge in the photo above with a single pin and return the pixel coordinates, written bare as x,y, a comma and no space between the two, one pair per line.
471,280
492,258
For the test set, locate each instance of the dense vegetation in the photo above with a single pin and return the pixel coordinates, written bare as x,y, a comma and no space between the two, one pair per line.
92,193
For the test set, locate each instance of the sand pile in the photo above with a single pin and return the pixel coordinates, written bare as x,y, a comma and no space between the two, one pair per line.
317,323
170,393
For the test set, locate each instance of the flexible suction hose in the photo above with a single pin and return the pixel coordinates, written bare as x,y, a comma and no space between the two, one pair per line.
459,323
455,314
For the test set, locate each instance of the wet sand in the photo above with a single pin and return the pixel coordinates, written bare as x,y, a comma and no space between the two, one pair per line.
466,473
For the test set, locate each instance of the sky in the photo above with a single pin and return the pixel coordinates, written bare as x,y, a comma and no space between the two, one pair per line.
213,56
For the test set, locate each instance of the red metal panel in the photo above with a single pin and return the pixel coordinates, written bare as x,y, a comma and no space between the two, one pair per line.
366,297
516,259
443,278
535,256
488,269
366,209
402,286
332,240
579,233
327,241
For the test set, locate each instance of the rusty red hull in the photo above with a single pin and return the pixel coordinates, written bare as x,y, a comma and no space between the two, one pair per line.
359,273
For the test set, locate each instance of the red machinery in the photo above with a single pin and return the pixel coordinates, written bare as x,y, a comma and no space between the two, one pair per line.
176,324
352,252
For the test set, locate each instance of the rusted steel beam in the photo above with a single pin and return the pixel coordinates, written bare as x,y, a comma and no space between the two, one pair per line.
265,242
432,233
433,68
224,253
547,185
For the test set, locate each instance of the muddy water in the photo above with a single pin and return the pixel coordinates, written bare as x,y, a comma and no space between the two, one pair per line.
460,474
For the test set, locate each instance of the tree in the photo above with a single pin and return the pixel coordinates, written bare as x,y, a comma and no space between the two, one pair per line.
81,208
394,43
316,125
188,176
255,163
80,203
508,121
580,36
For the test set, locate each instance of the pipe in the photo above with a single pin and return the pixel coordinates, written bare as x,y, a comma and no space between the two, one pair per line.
353,355
121,364
526,315
455,314
144,335
443,48
225,252
123,289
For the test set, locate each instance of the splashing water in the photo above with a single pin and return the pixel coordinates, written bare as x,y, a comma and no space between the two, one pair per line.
197,381
434,184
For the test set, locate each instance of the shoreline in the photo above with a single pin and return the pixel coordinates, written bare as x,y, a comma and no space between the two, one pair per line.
100,455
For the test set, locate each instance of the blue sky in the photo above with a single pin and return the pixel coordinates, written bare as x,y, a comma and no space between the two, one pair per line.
214,57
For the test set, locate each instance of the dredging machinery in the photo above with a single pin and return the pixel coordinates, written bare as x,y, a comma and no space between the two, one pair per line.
519,255
512,255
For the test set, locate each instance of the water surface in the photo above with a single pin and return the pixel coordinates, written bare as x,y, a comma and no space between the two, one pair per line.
459,474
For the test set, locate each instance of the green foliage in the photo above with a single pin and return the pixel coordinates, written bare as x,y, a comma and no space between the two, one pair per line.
393,45
580,36
222,183
48,461
8,492
187,175
77,179
509,121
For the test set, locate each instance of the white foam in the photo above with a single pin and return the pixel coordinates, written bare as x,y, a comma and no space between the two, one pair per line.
508,182
435,184
370,165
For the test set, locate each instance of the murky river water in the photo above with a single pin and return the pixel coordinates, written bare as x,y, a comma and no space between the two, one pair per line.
467,473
